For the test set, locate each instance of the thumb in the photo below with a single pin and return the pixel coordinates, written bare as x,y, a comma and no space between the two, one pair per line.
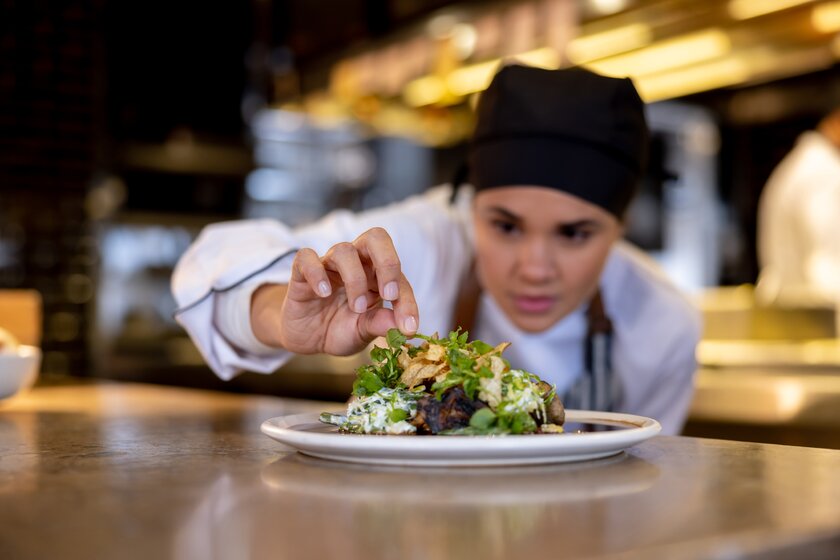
376,322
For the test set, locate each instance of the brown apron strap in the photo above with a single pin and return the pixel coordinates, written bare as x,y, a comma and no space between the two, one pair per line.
466,306
598,388
599,321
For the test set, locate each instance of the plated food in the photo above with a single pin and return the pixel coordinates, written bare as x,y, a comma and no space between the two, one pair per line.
447,386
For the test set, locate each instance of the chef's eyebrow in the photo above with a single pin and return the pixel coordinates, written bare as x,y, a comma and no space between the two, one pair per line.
566,226
505,213
580,224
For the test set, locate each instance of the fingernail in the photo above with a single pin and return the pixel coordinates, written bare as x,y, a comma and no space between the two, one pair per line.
361,304
391,291
410,324
324,288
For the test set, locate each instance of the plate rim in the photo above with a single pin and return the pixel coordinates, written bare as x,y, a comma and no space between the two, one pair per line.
471,450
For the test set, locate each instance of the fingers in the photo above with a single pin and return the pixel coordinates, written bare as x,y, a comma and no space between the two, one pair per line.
344,259
309,269
376,246
406,314
370,271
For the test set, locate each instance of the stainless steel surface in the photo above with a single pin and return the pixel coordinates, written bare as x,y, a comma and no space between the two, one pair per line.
131,471
734,313
766,397
772,354
766,373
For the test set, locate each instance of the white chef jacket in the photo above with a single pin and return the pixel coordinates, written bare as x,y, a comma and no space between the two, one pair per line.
798,228
655,334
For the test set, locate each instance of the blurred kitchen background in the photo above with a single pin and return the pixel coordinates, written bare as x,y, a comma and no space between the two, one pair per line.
127,126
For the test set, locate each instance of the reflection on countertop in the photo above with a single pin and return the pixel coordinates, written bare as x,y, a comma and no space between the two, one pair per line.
115,470
429,486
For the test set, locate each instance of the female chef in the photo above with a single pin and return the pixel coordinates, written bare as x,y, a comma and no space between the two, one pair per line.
529,252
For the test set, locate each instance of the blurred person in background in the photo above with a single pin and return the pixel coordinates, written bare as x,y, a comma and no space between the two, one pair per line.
528,251
798,225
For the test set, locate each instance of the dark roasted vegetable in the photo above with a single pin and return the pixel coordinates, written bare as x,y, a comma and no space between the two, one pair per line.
452,411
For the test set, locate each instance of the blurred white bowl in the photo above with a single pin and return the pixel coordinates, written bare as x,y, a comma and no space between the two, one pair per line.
18,369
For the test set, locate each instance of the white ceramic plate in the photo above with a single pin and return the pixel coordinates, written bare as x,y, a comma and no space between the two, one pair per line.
305,433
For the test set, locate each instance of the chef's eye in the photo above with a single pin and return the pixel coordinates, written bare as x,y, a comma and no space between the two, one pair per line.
575,234
505,227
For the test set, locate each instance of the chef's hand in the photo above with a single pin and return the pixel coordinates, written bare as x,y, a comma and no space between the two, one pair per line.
333,304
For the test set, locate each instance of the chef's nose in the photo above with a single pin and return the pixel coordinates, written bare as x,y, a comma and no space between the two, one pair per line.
535,263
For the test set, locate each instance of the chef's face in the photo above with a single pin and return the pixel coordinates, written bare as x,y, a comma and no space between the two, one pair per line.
540,252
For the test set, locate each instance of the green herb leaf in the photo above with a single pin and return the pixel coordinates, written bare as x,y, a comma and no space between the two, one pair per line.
378,354
484,371
385,371
367,381
471,386
483,419
439,387
397,415
395,339
481,347
522,423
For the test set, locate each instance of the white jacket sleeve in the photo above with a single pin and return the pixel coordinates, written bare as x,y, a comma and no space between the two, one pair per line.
212,285
215,278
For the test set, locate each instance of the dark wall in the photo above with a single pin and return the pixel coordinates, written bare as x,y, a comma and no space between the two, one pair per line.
176,65
52,123
79,81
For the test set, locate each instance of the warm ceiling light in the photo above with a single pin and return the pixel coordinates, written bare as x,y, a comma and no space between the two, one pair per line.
782,62
476,77
471,79
790,398
702,77
545,57
746,9
424,91
440,27
464,38
608,6
613,41
826,17
665,55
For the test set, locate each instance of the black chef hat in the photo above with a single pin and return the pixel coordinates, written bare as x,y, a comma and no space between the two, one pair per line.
570,129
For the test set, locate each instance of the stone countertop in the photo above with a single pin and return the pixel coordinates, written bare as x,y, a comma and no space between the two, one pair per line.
110,470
